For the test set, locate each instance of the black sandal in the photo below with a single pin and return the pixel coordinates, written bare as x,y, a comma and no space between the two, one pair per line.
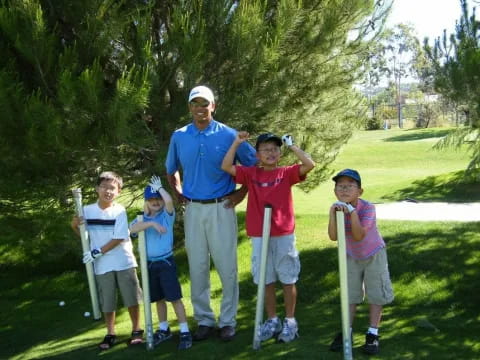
108,342
136,338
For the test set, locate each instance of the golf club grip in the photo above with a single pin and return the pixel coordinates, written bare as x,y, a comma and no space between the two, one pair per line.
92,285
342,270
267,216
147,307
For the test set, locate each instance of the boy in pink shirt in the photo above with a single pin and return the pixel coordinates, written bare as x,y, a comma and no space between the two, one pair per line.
268,183
367,262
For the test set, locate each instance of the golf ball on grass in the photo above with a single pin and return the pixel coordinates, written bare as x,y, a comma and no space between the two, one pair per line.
61,303
86,314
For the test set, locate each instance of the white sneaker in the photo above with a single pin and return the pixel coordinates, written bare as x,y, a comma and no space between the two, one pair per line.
289,332
270,329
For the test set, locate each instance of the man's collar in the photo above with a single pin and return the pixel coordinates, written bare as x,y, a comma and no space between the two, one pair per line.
207,130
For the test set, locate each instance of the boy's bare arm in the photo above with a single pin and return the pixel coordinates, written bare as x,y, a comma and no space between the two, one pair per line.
156,184
307,164
358,231
332,223
228,161
110,245
141,226
75,223
167,199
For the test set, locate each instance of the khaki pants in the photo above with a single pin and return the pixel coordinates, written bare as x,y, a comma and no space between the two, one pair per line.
211,231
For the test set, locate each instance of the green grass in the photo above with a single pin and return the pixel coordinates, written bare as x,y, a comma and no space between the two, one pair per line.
434,269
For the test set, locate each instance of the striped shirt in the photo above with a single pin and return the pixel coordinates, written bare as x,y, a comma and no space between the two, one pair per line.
103,225
373,241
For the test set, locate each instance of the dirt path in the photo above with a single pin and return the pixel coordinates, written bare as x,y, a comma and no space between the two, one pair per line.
431,211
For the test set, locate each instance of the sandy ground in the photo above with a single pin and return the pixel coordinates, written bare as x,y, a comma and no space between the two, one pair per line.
431,211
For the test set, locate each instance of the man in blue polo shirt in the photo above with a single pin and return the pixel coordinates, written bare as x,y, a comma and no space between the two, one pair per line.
210,220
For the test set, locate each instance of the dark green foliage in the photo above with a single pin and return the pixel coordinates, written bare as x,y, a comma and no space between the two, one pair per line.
100,85
456,70
372,123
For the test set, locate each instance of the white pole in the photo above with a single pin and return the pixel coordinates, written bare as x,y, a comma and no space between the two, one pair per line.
142,250
342,269
261,281
92,285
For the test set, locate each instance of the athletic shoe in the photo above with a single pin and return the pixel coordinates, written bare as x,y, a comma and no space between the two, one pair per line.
372,344
185,341
289,332
269,329
337,343
161,336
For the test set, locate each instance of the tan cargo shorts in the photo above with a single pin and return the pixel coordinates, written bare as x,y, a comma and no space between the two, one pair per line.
370,277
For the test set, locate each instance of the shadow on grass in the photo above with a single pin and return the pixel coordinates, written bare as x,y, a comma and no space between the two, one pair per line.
455,187
435,311
419,135
437,271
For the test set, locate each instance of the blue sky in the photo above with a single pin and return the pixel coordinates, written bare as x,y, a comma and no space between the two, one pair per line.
428,17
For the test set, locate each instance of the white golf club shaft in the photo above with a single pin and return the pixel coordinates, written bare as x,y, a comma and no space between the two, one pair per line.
92,285
261,281
142,250
342,269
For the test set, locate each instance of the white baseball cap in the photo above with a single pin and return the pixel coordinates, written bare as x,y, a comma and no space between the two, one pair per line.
202,92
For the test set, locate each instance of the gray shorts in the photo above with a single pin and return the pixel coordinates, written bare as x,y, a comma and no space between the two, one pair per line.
283,263
370,277
127,283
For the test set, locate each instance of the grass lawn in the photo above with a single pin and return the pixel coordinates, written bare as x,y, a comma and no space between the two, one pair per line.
433,266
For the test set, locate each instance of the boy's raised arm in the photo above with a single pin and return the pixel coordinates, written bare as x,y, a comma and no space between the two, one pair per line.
156,184
228,161
307,162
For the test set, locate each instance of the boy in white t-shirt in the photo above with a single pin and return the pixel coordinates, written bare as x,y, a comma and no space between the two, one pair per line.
112,254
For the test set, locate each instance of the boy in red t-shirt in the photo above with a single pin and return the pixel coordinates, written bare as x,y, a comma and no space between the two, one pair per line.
268,183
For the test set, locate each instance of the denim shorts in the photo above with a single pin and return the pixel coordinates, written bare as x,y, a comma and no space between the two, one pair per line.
163,280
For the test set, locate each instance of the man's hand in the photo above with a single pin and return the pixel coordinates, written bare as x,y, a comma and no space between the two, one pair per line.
90,256
155,183
235,198
176,185
287,140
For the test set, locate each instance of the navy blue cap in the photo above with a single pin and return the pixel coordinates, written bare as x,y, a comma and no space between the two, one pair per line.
150,193
263,138
349,173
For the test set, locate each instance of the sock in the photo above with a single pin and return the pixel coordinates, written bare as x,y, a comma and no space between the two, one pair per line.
291,320
274,319
184,327
163,326
373,331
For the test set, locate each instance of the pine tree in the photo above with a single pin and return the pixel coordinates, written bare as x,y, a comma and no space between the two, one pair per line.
456,70
72,100
102,84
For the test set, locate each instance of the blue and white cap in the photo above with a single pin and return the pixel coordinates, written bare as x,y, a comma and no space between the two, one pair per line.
150,193
353,174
